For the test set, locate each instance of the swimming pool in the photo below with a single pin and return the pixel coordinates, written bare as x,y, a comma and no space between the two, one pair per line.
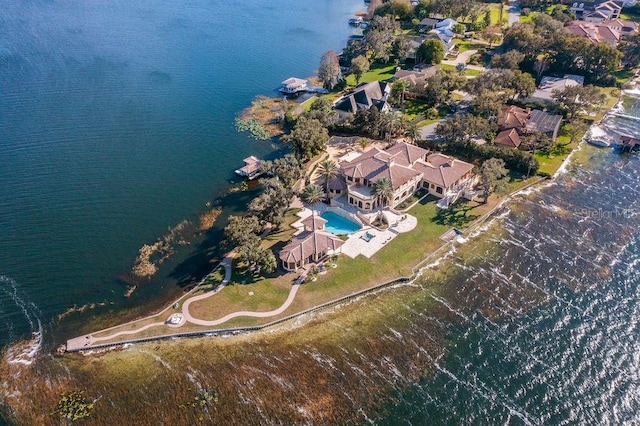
339,225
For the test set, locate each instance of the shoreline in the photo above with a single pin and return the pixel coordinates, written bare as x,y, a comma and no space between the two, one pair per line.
416,269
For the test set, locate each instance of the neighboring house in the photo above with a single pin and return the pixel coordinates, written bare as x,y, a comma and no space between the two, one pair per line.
624,28
415,76
428,24
408,168
443,31
508,138
595,32
598,11
525,121
365,96
310,245
544,92
543,122
446,40
513,117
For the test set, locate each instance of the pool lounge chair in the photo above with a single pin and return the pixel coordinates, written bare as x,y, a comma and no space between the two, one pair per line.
367,237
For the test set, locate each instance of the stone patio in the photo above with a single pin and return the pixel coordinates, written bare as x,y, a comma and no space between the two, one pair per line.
355,245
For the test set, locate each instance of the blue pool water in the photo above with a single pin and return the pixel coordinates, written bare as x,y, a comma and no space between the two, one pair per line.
339,225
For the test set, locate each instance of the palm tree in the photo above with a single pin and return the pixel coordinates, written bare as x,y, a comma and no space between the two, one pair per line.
383,190
312,195
412,132
328,170
400,86
392,123
364,143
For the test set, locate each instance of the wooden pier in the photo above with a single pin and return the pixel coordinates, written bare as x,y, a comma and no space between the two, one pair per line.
629,144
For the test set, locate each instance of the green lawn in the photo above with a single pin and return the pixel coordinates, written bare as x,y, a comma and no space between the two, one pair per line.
378,72
494,10
629,16
414,110
467,72
623,76
529,17
464,45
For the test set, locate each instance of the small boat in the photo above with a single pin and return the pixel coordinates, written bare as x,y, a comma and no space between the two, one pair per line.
599,142
356,22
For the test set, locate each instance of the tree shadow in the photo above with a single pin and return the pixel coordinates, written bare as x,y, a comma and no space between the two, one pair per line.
209,250
457,215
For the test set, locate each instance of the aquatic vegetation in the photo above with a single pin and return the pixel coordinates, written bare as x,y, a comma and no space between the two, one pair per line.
73,406
203,398
152,255
253,126
208,218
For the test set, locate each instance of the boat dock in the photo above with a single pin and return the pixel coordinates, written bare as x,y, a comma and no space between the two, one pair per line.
251,168
628,144
294,86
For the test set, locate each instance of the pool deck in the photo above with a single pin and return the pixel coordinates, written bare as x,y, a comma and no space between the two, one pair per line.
355,246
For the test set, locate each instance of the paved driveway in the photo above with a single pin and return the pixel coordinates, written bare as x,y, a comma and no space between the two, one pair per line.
514,12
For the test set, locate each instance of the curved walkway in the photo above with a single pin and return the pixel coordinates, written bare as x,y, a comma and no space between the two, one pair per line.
281,309
88,340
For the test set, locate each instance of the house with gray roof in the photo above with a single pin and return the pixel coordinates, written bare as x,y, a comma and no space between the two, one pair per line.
544,92
365,96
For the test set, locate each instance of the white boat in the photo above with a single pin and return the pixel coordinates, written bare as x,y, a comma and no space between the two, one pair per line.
599,142
355,21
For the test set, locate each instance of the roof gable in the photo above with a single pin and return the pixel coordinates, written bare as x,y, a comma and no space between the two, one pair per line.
406,154
509,138
309,243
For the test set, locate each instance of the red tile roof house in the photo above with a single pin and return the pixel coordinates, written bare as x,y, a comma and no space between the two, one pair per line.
310,245
408,168
595,32
525,121
508,138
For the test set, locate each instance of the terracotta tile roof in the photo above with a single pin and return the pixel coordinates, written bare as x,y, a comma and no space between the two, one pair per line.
442,170
406,154
393,164
309,243
513,116
509,138
337,183
596,32
397,174
314,222
366,164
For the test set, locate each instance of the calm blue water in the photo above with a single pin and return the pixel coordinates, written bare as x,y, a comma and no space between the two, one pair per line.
339,225
116,123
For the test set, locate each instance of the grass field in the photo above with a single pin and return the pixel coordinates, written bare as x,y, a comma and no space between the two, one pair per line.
377,72
467,72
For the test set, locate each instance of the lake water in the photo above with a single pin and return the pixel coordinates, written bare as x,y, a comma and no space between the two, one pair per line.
116,123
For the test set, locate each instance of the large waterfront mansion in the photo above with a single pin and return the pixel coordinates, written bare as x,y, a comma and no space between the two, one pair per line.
408,168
